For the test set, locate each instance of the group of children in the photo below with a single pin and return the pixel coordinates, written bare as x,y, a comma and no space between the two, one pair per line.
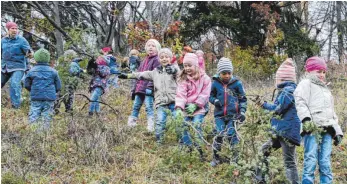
186,93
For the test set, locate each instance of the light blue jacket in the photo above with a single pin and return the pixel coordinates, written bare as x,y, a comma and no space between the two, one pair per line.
13,51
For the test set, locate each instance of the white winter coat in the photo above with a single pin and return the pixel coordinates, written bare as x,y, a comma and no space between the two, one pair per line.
313,99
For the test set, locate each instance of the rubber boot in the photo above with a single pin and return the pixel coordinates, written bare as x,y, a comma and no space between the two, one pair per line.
132,121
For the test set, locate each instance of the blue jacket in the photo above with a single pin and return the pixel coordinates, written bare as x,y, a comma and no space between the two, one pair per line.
288,126
43,82
232,96
75,68
134,63
13,51
112,63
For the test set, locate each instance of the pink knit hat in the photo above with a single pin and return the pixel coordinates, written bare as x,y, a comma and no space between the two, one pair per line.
191,58
315,63
10,25
286,71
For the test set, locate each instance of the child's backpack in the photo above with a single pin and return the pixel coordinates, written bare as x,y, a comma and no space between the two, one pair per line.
91,67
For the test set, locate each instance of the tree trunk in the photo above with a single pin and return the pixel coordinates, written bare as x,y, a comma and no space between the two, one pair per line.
57,33
331,29
340,31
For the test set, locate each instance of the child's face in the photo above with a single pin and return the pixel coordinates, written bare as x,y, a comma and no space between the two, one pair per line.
225,76
320,74
164,59
151,49
189,69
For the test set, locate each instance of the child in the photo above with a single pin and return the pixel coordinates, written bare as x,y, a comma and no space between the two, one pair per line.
112,64
229,98
200,55
143,88
134,60
287,126
43,82
164,80
98,84
192,94
315,105
125,64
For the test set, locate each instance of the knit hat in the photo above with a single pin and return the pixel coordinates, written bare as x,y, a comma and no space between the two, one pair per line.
165,51
42,55
106,49
156,43
10,25
191,58
286,71
224,64
315,63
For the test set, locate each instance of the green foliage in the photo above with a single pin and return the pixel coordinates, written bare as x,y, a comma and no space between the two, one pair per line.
10,178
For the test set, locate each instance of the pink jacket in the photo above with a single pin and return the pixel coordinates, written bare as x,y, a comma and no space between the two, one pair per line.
201,62
194,91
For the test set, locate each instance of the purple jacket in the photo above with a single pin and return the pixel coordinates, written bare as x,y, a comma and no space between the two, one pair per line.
148,64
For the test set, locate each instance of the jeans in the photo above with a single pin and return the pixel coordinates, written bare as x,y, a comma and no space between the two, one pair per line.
314,151
196,121
95,106
42,109
289,156
112,81
15,78
162,113
139,99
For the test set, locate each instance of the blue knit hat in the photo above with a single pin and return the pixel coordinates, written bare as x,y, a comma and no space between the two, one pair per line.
42,55
224,65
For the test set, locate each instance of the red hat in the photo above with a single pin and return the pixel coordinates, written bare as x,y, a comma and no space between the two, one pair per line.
315,63
10,25
106,49
286,71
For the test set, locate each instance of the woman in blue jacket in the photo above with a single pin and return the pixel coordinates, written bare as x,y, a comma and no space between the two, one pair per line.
14,50
286,124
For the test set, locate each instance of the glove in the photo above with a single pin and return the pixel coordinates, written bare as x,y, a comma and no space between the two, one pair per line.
170,69
149,92
258,101
191,108
179,113
77,60
123,76
217,103
241,117
337,140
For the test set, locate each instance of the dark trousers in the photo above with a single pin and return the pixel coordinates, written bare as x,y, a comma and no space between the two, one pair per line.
288,151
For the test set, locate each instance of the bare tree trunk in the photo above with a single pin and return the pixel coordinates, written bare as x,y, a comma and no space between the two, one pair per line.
339,31
331,29
149,7
57,33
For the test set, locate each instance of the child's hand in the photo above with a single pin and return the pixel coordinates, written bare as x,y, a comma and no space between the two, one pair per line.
217,103
170,69
123,76
337,140
241,117
258,101
191,108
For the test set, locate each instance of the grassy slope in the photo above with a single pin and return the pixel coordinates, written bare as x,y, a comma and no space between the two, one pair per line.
80,149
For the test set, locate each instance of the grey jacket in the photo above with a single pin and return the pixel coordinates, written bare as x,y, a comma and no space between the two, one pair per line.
313,99
164,84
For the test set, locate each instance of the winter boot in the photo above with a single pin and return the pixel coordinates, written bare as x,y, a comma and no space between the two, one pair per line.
216,159
132,121
150,124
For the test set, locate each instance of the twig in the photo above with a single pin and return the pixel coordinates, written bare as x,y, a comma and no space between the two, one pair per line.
115,111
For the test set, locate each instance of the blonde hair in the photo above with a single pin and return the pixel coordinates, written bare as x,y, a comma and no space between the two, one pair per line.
125,60
134,52
183,75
